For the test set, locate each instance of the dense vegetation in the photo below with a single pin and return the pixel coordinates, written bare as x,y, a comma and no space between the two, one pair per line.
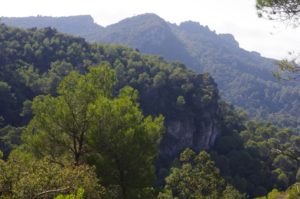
259,157
70,122
197,178
244,78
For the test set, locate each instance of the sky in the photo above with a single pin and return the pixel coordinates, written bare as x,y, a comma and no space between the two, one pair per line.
270,38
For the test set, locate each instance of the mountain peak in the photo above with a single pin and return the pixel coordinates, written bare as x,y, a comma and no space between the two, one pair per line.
138,20
192,26
190,23
229,39
147,16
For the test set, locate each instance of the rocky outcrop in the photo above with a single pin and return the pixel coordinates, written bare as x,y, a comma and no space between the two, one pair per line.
195,133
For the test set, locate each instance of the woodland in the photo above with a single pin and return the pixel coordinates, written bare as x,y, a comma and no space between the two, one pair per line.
82,119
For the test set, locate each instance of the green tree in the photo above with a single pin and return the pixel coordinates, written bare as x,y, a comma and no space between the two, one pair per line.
78,195
288,70
180,101
86,123
7,102
60,124
197,178
279,9
58,70
10,138
293,192
126,143
23,176
282,10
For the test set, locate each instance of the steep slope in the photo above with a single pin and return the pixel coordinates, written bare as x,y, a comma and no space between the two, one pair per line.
244,78
33,62
148,33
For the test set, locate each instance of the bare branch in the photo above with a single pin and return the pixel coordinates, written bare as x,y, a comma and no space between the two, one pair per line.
51,191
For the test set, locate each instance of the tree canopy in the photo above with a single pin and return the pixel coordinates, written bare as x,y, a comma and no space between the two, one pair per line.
85,123
97,108
197,177
61,124
279,9
23,176
284,10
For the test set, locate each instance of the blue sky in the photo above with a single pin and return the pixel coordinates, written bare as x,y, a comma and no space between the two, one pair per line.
238,17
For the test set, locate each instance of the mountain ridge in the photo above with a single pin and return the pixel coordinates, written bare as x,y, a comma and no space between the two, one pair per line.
79,25
244,78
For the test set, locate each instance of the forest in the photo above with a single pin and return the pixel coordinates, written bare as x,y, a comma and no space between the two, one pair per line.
79,117
88,120
244,78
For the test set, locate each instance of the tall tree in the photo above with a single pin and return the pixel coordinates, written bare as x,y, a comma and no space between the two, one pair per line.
86,123
24,177
126,143
60,124
197,178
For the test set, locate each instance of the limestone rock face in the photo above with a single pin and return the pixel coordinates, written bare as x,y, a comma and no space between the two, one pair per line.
197,132
191,132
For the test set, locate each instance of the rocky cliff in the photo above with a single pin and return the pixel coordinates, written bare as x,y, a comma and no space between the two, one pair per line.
189,133
196,133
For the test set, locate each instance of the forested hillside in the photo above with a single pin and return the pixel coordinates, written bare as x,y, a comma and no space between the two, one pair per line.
33,62
69,122
244,78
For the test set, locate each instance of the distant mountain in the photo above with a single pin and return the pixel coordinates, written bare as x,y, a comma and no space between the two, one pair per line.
148,33
244,78
82,25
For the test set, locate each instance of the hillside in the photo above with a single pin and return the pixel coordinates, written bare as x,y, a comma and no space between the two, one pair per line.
34,62
244,78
